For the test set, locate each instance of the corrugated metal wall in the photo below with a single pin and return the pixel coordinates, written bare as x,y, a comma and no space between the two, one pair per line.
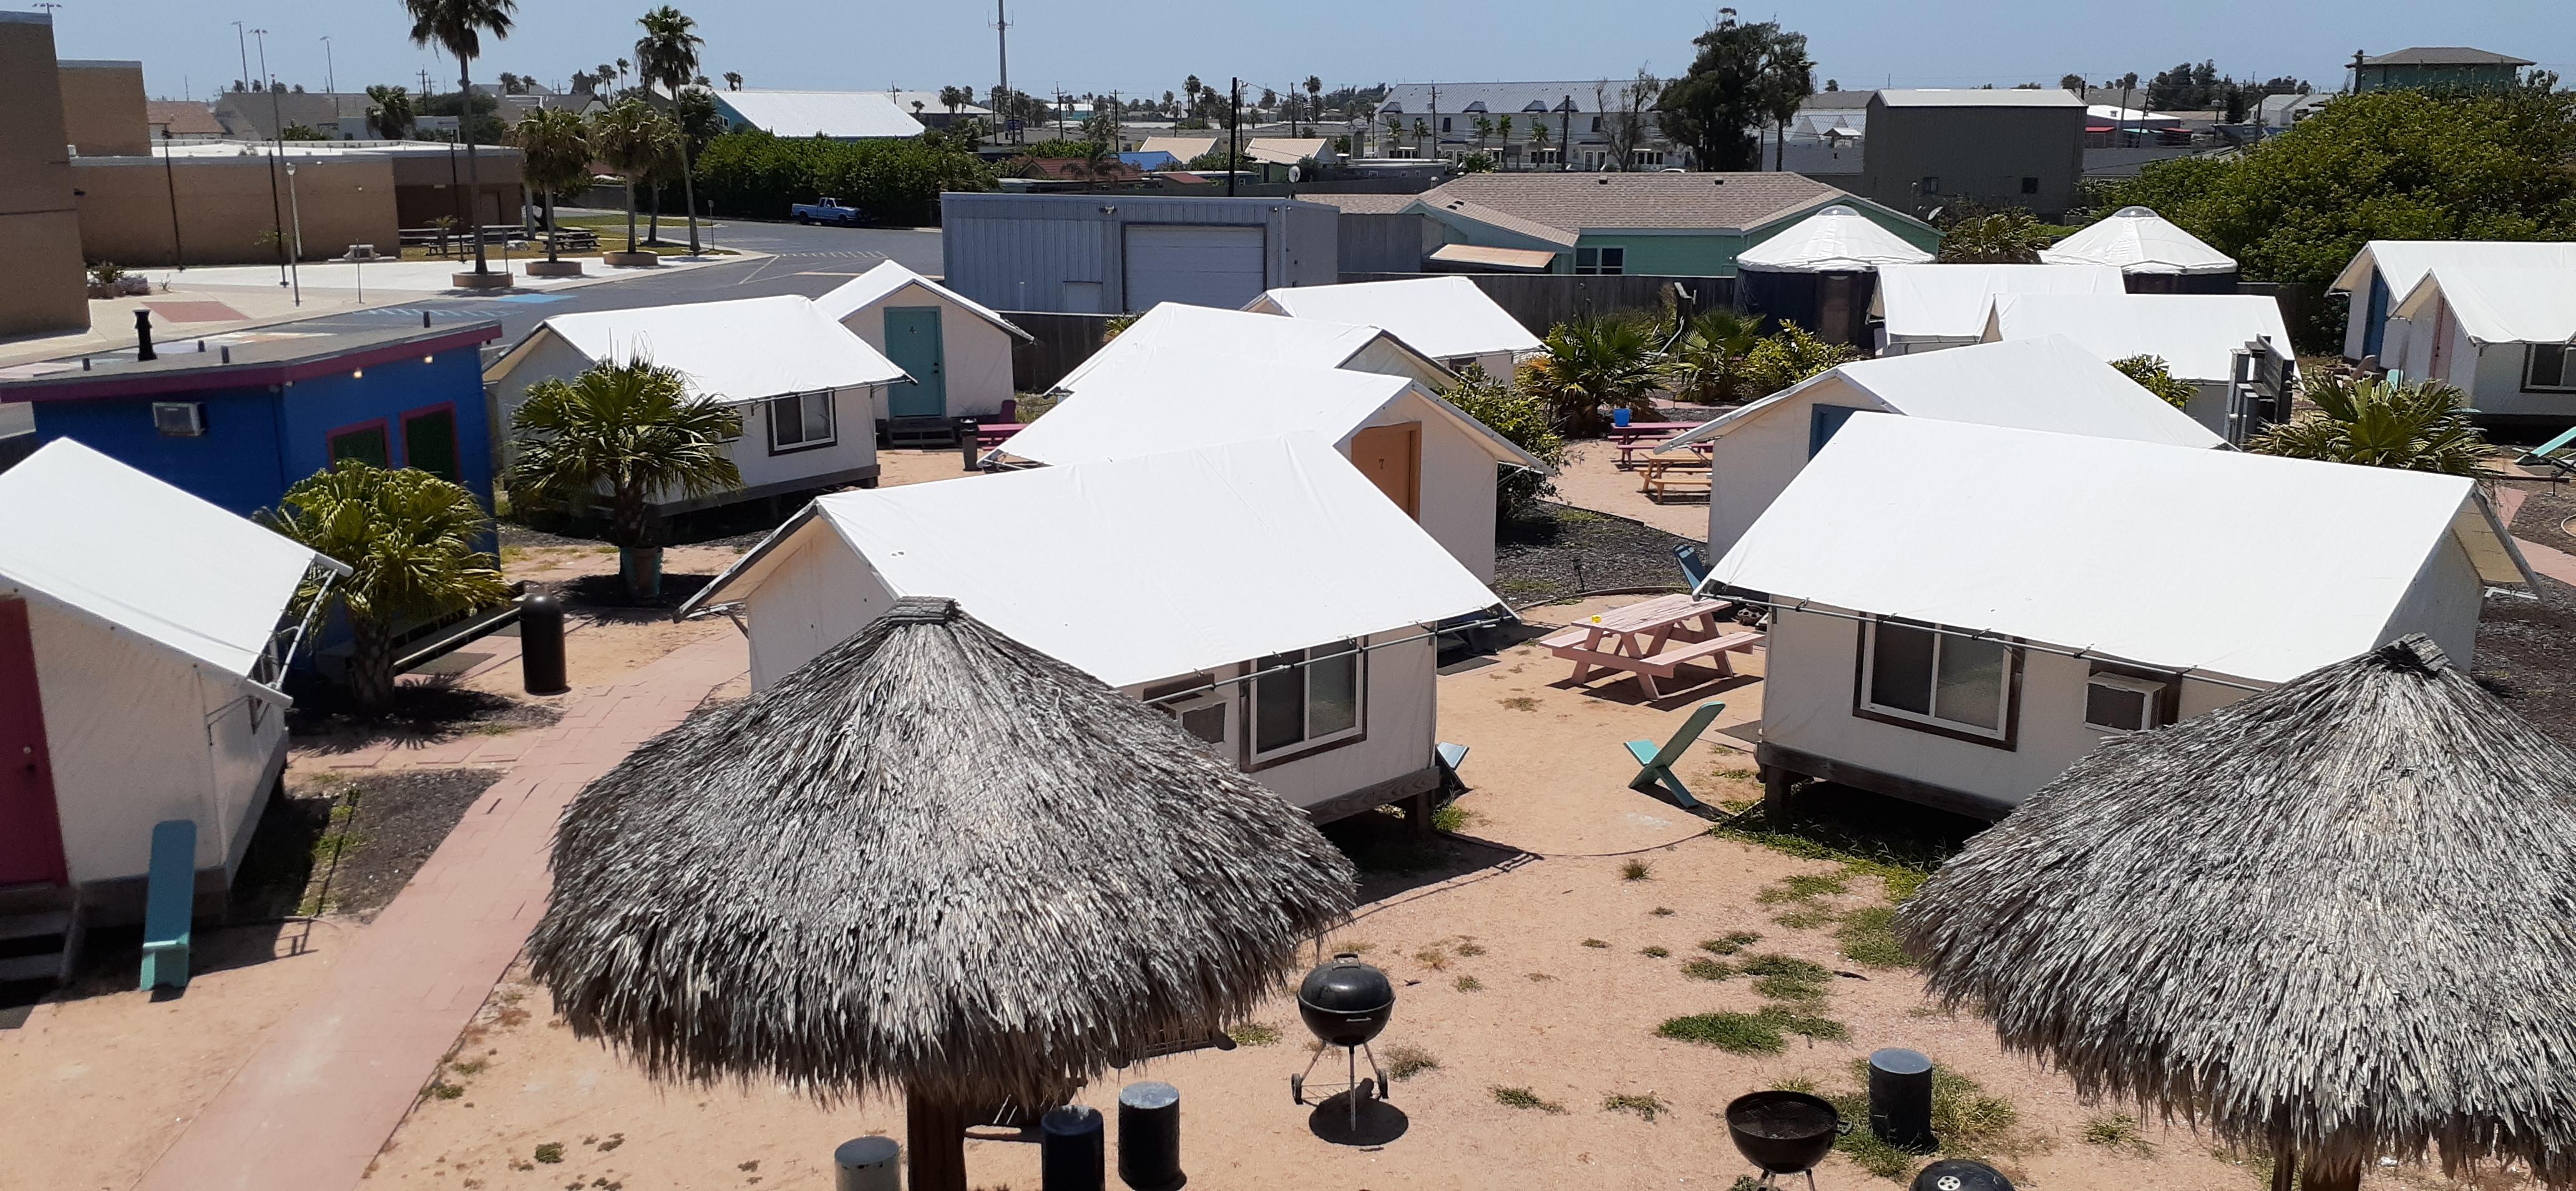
1051,252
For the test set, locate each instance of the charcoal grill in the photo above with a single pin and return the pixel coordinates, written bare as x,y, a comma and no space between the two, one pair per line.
1345,1003
1784,1133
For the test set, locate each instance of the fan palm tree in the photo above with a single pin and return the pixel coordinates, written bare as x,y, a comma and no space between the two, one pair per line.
1708,355
409,540
635,430
2416,426
733,80
1421,135
458,27
393,114
1314,98
2009,237
631,139
668,54
1538,139
554,152
1597,362
1395,129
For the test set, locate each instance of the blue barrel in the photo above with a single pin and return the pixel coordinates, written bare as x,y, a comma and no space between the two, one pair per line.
1073,1152
1149,1137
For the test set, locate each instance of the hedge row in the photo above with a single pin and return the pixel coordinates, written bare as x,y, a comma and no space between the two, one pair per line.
895,182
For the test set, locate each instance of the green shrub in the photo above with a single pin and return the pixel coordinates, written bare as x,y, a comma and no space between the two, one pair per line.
1521,416
890,181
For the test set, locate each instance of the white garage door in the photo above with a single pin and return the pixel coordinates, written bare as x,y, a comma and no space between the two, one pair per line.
1203,266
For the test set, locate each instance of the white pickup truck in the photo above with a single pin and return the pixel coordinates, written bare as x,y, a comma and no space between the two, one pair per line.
828,211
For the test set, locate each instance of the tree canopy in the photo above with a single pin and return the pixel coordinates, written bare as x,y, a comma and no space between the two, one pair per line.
1741,79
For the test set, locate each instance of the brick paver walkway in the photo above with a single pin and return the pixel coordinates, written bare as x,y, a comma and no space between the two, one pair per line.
317,1100
2557,564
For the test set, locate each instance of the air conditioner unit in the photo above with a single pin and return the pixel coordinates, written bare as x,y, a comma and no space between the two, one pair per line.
2119,703
179,419
1203,717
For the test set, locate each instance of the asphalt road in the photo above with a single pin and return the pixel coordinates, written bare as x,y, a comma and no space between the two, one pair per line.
803,260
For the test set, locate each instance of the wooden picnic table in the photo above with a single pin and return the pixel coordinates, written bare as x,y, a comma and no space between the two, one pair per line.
1665,477
1654,639
1635,437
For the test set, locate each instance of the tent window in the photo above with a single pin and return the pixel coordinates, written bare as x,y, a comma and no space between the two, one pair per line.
429,442
2551,366
1931,184
1314,702
1920,675
1607,262
363,443
800,421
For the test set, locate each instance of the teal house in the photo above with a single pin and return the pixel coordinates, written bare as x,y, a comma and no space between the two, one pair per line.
1658,224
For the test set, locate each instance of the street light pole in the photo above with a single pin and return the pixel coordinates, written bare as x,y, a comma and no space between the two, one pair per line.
330,74
277,123
298,211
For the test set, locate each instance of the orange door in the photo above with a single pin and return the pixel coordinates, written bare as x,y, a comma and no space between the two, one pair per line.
1391,457
31,837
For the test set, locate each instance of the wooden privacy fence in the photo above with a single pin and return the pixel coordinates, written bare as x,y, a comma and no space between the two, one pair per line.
1060,343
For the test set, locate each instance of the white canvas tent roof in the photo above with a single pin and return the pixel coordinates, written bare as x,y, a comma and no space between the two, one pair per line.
116,544
1438,316
1247,338
739,351
2500,305
2047,383
2198,335
842,115
2402,263
1836,239
2138,551
1950,301
1151,567
887,278
1155,400
2137,240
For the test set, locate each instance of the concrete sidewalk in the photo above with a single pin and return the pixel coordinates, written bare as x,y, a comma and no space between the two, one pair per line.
319,1098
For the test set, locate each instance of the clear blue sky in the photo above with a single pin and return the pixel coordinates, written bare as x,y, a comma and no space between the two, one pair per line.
1142,47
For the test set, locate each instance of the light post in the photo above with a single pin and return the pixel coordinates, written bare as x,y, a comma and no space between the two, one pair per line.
330,75
295,255
277,122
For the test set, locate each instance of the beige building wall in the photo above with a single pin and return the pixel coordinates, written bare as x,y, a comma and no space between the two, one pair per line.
225,208
103,108
39,233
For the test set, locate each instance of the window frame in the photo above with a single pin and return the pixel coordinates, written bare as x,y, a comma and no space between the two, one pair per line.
380,427
1255,758
455,439
2005,736
2531,366
2029,185
1931,184
832,416
1602,264
2166,708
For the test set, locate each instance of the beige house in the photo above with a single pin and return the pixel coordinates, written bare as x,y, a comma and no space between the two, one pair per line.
39,227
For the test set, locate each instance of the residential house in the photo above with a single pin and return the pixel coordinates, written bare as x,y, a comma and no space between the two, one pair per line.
832,115
2506,337
1821,273
2152,254
1318,676
1961,611
2437,68
2279,112
1446,318
2233,348
1929,307
1931,149
1127,253
2387,270
180,119
1581,119
956,353
2048,383
1681,225
807,387
332,115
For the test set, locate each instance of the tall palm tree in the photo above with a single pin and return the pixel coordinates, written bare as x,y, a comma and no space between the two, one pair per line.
733,80
1314,99
409,540
1394,129
668,54
2416,426
634,429
1484,131
1538,139
458,27
554,152
631,139
1422,134
1788,78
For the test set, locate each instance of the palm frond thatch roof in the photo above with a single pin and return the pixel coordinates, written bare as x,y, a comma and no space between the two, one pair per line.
932,859
2336,919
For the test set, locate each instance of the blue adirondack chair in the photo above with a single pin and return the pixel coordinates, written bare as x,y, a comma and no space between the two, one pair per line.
1694,564
2558,453
1452,756
170,905
1656,764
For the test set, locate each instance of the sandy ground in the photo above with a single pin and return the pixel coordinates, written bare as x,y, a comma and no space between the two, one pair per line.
1499,985
1591,479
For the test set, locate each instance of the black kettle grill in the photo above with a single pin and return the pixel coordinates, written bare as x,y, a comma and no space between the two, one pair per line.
1345,1003
1784,1133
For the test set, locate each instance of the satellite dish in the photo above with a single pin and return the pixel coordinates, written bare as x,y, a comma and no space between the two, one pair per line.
1296,174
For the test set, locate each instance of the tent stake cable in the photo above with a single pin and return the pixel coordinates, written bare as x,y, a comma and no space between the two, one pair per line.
2087,654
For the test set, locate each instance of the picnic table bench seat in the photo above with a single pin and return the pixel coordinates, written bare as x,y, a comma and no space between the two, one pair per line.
1665,477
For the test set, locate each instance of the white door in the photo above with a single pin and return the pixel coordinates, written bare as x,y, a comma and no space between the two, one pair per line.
1200,265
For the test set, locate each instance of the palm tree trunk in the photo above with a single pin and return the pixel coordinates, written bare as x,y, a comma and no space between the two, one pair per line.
630,214
654,196
550,227
689,193
473,188
639,562
371,664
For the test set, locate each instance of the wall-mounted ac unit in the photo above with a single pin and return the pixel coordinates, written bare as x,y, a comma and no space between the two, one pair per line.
179,419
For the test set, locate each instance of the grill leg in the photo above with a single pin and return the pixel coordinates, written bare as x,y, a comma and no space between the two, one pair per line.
1354,1093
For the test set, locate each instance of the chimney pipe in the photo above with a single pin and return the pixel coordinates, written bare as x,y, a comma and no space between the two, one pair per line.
143,336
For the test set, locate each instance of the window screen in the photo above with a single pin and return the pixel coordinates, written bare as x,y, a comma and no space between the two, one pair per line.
2550,367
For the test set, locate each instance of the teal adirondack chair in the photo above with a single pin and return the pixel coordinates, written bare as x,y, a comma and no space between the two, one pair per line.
1657,763
170,905
2558,453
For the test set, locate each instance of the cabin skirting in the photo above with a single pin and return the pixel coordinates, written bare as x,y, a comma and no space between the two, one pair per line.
1780,766
1420,782
864,477
119,901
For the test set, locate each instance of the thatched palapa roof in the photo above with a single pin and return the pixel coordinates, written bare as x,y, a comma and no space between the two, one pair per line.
2336,919
931,860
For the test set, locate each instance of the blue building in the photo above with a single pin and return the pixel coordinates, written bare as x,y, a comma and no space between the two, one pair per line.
238,424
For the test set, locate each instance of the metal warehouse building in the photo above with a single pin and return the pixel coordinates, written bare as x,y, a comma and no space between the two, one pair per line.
1121,253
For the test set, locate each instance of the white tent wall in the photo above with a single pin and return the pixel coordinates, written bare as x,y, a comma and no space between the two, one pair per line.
139,734
1400,713
1753,462
818,593
2492,374
975,354
1458,482
2443,603
1386,357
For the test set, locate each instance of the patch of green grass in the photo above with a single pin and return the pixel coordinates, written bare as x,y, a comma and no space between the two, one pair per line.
1570,515
1452,818
1868,938
1967,1121
1470,984
1255,1033
1654,952
1520,703
1737,1033
440,1089
1799,887
1525,1098
1404,1060
1805,1025
550,1152
1789,990
1636,870
1469,948
1740,775
1802,970
1648,1105
1898,843
1705,968
1807,917
2117,1131
1596,943
1731,942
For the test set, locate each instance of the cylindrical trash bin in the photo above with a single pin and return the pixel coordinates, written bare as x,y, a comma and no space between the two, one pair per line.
868,1164
541,648
1900,1098
967,441
1149,1137
1072,1150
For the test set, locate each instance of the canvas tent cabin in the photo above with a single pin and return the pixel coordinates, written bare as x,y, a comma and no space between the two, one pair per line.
2387,270
2506,337
956,352
1449,319
1958,635
1928,307
2047,383
142,635
808,389
1261,592
1821,273
2155,256
2233,348
1260,340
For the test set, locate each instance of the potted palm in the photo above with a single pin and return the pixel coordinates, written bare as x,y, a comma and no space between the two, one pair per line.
630,431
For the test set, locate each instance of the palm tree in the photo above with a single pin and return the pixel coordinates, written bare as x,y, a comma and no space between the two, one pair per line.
1504,126
634,429
554,152
409,540
2008,237
631,139
1708,355
1597,362
1484,131
458,27
1422,134
2416,426
1395,128
1538,139
392,114
733,80
668,52
1314,99
1788,78
604,72
621,74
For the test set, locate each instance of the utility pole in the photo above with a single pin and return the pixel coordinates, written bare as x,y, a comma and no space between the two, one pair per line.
1565,134
1001,94
1233,134
244,47
277,122
170,179
330,74
1435,121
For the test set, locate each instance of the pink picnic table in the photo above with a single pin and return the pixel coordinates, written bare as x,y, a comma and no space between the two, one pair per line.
1653,640
989,435
1636,436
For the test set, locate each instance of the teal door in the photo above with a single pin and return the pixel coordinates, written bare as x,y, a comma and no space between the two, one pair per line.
913,343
